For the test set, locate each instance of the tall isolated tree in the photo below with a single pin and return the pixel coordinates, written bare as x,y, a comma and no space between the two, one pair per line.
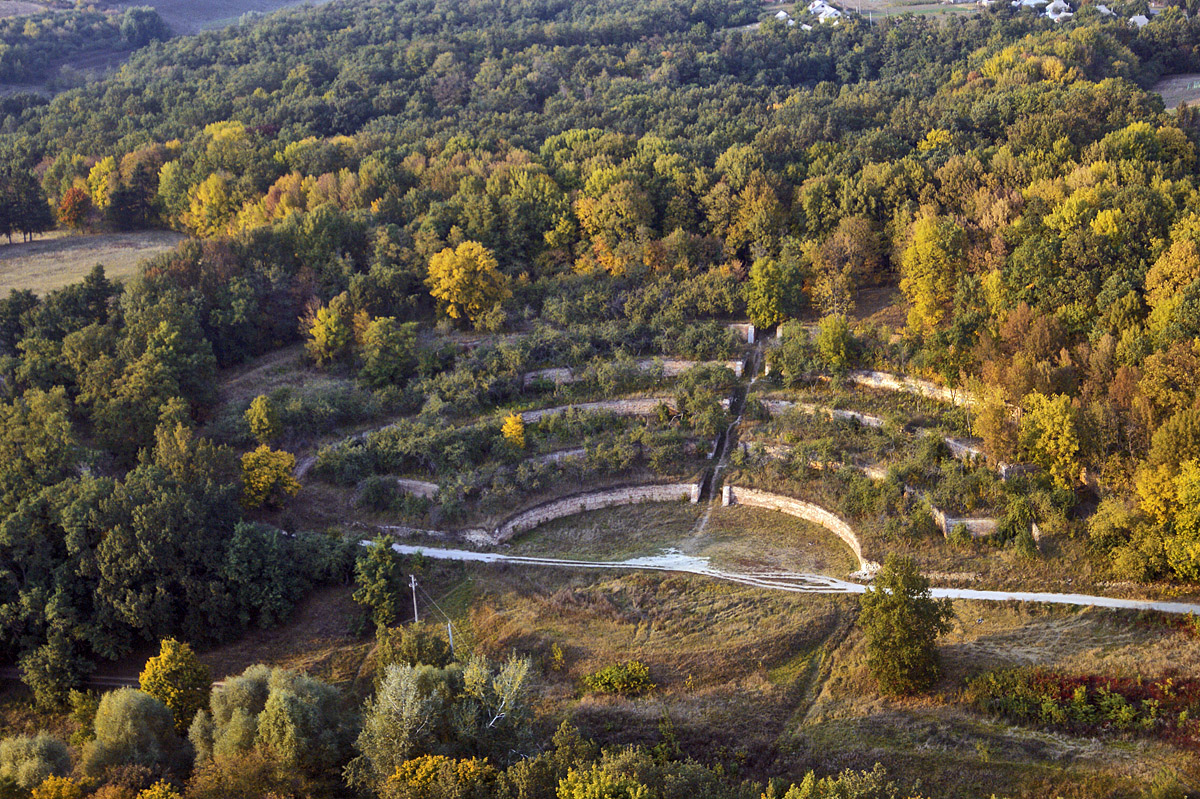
380,582
834,343
764,293
467,282
902,624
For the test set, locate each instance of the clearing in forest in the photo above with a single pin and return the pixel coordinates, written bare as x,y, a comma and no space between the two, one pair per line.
52,262
1176,89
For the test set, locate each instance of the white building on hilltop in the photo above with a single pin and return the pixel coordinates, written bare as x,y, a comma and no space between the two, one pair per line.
1059,10
824,12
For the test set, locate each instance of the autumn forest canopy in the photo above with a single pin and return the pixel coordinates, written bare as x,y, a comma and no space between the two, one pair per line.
593,183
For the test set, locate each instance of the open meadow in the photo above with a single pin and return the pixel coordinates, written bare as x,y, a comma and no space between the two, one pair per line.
52,262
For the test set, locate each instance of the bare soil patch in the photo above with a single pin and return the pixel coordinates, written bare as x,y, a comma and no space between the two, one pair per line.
55,261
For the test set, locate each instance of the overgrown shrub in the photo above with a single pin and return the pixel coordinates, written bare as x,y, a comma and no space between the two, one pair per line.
631,678
29,760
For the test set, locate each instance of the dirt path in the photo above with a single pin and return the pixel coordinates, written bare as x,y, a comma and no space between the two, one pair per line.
711,488
675,561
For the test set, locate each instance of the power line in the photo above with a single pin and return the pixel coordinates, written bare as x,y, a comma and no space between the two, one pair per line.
446,616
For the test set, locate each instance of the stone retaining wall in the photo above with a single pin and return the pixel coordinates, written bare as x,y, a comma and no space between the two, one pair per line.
560,455
645,406
775,407
418,488
671,367
569,506
976,528
753,498
913,385
744,331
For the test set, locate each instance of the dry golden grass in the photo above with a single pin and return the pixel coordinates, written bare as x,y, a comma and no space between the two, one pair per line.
734,538
955,752
19,8
776,682
20,716
729,662
612,533
1176,89
317,639
283,368
55,261
744,539
989,635
771,683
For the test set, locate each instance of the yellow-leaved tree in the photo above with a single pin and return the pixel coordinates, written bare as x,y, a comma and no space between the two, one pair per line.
57,788
159,790
929,269
334,330
267,477
514,430
436,776
212,206
178,679
1050,434
263,419
467,281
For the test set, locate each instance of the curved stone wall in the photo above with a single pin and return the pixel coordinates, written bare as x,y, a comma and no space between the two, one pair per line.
913,385
671,367
645,406
753,498
569,506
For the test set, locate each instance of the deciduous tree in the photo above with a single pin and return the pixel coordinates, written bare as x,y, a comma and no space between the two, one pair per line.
263,419
514,430
267,477
178,679
1050,434
902,624
467,281
930,269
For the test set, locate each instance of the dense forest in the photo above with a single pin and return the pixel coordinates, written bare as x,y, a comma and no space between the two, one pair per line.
602,180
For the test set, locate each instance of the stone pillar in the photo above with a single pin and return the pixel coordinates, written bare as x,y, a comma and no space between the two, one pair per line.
726,495
750,333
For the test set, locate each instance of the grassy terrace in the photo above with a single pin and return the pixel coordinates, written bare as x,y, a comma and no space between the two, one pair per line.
741,539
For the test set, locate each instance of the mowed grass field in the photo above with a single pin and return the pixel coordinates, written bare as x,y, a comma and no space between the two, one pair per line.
1176,89
17,8
55,261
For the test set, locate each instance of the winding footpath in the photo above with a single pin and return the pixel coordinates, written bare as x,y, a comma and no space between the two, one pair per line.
795,582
